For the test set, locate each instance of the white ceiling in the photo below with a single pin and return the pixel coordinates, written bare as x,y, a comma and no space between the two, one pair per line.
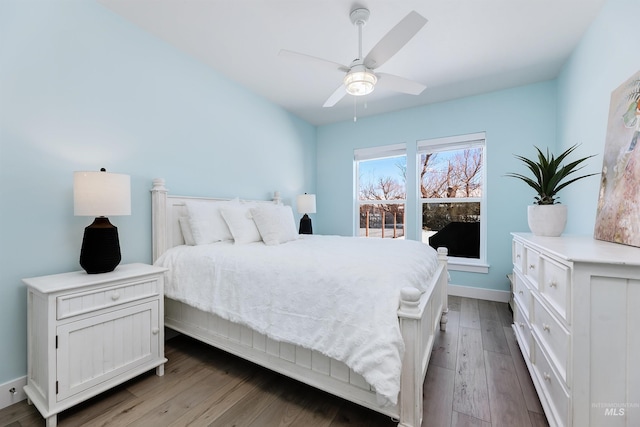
468,46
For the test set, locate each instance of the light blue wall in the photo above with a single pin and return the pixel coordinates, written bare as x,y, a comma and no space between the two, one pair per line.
607,56
81,89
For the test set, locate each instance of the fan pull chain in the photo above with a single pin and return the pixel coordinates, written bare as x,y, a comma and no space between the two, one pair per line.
355,103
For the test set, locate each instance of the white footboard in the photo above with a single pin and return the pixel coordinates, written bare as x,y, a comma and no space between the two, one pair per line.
419,314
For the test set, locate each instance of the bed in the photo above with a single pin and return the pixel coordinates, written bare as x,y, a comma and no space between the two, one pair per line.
258,327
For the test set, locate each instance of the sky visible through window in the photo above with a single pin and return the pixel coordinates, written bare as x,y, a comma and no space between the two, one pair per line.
370,170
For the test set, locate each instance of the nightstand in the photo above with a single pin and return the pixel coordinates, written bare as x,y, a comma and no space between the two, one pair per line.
89,332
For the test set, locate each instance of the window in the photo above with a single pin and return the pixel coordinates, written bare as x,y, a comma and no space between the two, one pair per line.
381,191
453,197
447,203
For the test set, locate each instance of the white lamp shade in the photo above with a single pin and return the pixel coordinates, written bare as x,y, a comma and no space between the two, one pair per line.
306,203
101,194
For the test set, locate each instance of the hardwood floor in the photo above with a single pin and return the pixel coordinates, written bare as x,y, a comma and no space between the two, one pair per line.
476,378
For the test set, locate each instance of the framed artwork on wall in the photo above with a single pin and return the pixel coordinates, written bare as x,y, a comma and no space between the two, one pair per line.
618,215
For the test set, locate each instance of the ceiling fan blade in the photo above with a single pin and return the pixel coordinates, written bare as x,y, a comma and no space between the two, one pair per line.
395,39
312,59
399,84
336,96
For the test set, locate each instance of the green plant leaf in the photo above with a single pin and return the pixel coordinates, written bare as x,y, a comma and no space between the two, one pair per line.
549,176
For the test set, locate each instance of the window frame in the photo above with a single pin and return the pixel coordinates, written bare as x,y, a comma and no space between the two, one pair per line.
459,142
376,153
413,198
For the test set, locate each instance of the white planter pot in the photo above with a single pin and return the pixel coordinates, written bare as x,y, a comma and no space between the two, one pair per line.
547,220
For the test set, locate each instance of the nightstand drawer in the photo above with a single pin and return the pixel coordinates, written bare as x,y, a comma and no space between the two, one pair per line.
555,286
553,336
83,302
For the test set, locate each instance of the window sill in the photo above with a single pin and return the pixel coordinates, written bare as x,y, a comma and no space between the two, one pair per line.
457,264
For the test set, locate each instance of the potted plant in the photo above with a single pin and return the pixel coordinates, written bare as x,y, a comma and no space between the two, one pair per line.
547,217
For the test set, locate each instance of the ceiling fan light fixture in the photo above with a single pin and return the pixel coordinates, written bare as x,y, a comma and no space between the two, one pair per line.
359,81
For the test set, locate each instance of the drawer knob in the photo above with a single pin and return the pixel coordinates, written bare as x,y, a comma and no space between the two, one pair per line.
546,376
553,284
532,266
521,325
546,327
155,331
520,292
115,296
518,256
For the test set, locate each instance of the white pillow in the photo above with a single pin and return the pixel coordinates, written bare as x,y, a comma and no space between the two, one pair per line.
275,223
206,222
240,223
186,231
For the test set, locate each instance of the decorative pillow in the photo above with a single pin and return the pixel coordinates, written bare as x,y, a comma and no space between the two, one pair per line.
275,223
206,222
240,223
186,231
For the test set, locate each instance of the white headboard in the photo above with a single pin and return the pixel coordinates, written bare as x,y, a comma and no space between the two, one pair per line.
166,211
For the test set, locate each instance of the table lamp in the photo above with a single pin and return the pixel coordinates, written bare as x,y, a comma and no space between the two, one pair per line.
101,194
306,204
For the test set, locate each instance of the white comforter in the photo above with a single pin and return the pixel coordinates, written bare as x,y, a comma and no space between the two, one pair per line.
336,295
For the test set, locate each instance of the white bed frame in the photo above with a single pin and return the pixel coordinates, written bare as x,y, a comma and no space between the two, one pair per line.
418,314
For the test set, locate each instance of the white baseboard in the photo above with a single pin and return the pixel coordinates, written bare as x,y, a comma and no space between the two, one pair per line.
479,293
11,392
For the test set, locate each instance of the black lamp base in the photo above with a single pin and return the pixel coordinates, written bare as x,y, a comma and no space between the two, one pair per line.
100,251
305,225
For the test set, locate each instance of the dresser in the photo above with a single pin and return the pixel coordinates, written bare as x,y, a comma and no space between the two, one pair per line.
89,332
577,322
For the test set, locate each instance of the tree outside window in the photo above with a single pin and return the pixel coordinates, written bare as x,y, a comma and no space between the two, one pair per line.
382,196
451,190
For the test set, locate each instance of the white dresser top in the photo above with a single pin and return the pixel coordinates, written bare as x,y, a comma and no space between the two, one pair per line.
577,248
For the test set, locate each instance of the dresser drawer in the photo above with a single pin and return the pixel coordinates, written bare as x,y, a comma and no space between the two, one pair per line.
554,286
553,336
555,396
532,265
517,253
83,302
522,293
522,330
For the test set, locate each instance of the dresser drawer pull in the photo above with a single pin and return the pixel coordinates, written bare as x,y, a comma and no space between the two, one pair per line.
518,256
520,292
115,296
546,327
546,376
521,324
553,284
532,266
155,331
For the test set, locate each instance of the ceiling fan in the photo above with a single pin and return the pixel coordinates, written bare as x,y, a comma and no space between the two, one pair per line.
360,78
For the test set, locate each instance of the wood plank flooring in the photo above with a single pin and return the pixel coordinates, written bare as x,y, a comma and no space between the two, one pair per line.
476,378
